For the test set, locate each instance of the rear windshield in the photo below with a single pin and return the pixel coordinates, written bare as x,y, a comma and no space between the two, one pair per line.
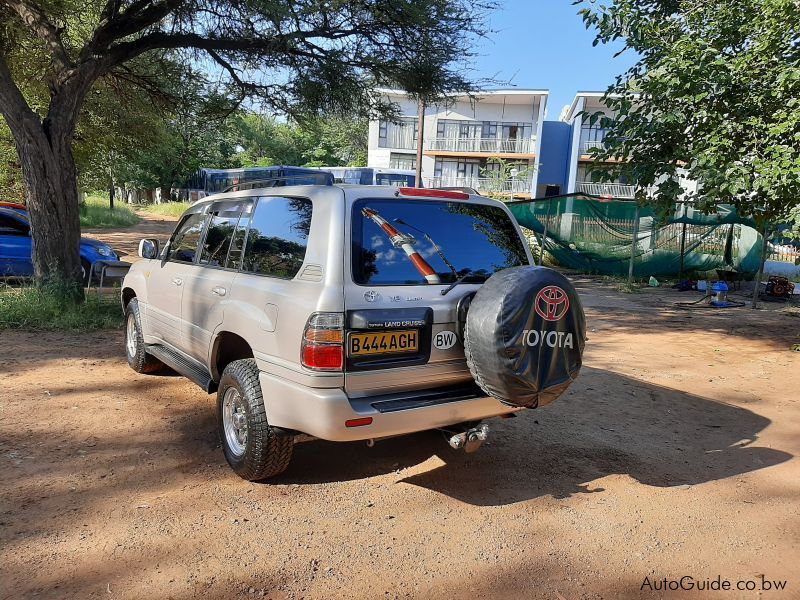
399,242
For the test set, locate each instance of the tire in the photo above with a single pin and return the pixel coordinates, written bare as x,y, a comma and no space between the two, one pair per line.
259,451
138,359
524,336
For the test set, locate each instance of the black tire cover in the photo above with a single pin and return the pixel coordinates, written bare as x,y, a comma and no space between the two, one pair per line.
525,335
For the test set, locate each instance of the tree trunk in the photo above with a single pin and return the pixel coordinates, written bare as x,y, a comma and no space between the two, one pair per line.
420,142
45,154
111,195
51,183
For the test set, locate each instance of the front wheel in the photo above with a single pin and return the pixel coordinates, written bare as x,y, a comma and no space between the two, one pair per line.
253,448
138,359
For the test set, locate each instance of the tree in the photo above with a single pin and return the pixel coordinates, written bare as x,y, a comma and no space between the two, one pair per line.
297,56
715,95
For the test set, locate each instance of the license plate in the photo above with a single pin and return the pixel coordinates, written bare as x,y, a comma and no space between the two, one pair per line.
382,342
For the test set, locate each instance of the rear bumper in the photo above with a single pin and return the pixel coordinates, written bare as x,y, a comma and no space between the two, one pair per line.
322,412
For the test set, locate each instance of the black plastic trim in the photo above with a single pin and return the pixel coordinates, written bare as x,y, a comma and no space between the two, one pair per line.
425,398
185,366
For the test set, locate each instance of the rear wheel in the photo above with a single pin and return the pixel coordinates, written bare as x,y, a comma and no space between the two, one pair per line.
138,359
253,448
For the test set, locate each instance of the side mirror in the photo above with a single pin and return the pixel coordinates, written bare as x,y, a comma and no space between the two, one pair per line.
148,248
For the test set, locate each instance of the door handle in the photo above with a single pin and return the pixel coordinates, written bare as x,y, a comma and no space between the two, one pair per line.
177,280
219,291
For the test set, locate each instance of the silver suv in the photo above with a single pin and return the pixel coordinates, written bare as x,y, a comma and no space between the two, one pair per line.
340,313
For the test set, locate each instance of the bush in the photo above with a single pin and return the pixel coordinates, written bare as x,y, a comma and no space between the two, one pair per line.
167,209
96,213
46,308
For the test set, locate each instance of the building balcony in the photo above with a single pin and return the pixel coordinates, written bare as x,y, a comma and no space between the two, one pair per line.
488,146
484,185
615,190
588,145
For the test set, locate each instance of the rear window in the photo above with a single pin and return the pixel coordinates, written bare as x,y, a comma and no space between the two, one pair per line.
396,241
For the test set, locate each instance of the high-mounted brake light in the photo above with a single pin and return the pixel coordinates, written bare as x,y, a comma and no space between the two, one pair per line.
429,193
322,348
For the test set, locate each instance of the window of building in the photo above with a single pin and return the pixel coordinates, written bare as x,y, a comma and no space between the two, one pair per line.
402,134
277,237
183,245
402,161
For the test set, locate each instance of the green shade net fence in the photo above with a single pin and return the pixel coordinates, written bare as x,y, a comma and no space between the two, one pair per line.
598,235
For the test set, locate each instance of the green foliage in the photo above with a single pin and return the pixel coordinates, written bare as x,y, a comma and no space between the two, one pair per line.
715,96
170,209
319,142
11,185
95,213
47,307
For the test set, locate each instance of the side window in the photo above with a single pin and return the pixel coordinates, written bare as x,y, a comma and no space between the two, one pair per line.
219,233
277,237
239,238
11,226
183,246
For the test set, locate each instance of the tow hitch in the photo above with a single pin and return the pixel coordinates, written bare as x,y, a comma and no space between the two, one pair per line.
470,440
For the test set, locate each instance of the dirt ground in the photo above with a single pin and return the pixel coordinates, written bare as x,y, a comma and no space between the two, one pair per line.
674,454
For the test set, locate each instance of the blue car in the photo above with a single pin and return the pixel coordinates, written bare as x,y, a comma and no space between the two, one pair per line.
16,246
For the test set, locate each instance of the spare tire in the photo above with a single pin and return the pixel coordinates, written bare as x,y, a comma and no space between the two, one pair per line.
524,336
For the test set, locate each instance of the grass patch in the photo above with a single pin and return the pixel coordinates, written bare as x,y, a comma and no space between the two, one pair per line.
41,308
94,212
167,209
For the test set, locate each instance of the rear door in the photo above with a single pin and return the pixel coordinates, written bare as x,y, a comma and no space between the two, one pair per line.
208,282
403,332
166,280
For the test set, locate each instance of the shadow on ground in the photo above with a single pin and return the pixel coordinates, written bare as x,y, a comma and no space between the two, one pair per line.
659,436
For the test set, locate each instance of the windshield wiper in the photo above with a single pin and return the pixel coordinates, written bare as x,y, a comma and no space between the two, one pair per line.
462,280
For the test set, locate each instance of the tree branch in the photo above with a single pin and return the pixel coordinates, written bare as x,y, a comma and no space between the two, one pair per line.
13,105
138,17
36,20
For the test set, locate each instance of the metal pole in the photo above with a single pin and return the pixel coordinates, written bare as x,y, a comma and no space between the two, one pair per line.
544,234
683,249
420,139
634,244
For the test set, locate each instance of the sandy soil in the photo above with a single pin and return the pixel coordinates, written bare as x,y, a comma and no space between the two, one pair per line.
672,455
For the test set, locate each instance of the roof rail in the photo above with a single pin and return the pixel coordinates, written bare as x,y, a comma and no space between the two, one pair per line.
320,178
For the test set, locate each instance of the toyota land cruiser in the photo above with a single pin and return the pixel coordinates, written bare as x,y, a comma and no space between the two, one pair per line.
350,313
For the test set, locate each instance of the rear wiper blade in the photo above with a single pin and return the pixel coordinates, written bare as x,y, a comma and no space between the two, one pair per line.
462,280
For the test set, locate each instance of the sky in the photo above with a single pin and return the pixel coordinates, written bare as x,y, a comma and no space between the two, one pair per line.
543,44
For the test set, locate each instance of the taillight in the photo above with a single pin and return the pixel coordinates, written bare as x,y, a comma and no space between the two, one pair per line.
323,339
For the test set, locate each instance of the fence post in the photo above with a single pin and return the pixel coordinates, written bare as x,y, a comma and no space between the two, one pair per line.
634,244
683,241
544,233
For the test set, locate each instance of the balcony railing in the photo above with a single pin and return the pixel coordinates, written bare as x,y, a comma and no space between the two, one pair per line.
403,139
497,145
617,190
482,184
587,145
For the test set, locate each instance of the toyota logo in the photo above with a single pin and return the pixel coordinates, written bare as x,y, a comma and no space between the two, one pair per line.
372,296
551,303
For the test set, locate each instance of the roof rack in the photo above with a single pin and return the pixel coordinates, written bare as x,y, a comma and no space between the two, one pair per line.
320,178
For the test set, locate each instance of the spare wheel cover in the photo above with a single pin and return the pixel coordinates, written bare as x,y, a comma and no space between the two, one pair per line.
525,335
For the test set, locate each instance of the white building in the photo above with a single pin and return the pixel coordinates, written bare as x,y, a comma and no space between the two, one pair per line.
584,136
462,136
